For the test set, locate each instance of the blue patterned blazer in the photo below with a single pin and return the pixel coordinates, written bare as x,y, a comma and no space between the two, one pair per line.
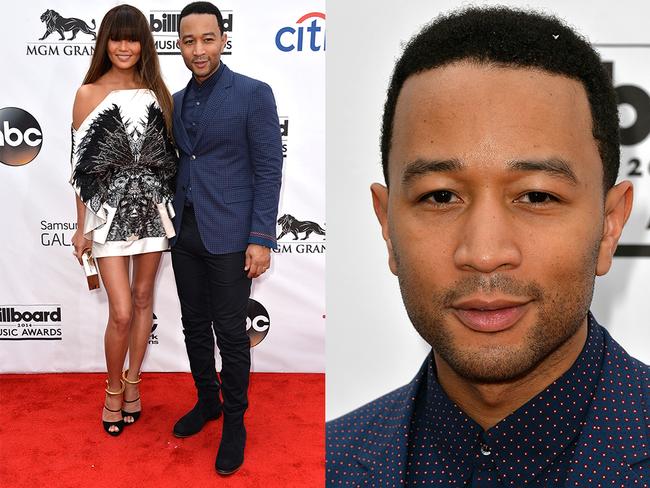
369,446
234,167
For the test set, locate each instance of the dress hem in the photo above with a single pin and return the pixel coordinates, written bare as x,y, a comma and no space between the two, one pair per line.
129,248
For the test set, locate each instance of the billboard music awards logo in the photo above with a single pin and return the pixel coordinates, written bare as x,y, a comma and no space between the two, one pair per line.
30,323
308,34
64,36
21,137
284,129
300,230
258,322
629,70
164,27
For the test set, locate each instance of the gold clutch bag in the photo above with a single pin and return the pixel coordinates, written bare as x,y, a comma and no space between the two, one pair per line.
91,270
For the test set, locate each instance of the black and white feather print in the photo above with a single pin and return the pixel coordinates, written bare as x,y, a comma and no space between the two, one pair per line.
129,166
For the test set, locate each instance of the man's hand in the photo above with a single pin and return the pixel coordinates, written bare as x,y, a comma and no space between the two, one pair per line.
258,260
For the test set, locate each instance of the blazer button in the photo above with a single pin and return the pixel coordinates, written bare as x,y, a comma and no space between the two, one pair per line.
192,157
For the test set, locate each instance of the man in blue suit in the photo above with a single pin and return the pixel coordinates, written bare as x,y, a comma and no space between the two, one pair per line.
500,151
227,131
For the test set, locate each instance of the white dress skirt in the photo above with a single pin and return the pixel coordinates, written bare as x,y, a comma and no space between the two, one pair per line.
123,169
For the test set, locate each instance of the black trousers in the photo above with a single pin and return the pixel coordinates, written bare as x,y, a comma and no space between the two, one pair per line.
213,291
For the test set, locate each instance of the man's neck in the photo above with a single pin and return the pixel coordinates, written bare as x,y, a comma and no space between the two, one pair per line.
488,404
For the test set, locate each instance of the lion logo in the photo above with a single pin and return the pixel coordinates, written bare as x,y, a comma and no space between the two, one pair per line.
290,224
54,22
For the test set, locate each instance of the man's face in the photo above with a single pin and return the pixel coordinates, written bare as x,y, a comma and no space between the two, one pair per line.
201,44
495,216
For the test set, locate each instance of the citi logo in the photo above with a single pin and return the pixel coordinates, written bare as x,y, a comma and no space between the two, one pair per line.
307,35
11,315
20,136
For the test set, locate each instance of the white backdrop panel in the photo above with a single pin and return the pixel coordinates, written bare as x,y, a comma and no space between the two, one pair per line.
39,273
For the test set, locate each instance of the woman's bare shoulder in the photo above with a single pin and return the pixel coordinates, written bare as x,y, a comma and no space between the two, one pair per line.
87,98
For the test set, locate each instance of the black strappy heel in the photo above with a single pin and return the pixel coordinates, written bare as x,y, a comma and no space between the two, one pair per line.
135,415
120,423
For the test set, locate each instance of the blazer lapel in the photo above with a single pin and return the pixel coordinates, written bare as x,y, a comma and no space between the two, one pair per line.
182,139
220,92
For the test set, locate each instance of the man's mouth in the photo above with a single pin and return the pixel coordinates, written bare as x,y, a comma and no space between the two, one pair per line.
490,314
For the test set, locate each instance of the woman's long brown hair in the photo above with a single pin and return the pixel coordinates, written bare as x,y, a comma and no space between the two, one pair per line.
125,22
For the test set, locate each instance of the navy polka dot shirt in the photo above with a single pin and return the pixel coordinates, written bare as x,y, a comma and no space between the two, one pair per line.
589,428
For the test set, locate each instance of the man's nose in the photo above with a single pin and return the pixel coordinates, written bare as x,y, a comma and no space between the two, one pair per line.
199,48
488,241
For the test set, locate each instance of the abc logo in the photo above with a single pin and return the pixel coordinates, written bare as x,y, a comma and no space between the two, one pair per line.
20,136
257,322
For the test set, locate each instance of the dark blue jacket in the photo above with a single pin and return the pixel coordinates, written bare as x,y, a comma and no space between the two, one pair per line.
234,167
369,446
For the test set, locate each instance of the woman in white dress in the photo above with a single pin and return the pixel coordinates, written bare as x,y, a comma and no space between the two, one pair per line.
123,167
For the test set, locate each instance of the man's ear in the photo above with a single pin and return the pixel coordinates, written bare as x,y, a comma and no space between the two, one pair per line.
380,204
618,205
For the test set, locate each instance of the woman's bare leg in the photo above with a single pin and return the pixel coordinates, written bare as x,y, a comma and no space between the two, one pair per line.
114,271
145,268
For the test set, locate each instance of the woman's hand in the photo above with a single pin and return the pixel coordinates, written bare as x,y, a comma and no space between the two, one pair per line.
80,244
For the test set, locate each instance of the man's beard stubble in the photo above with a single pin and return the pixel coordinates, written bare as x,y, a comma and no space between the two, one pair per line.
560,313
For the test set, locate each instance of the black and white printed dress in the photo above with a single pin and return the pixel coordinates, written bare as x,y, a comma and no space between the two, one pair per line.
123,169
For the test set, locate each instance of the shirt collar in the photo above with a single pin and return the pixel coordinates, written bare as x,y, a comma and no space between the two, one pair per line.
540,429
209,83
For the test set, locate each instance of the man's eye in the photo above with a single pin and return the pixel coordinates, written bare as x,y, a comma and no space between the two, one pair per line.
188,42
537,197
440,197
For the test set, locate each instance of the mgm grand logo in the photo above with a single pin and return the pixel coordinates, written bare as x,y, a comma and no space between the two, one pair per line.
301,230
67,43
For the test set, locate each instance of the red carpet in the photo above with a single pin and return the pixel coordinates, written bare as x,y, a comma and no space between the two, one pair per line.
51,434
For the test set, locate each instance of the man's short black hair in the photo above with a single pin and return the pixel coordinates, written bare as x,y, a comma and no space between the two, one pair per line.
512,38
200,8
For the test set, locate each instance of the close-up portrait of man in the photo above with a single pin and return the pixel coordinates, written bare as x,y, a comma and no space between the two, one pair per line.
501,204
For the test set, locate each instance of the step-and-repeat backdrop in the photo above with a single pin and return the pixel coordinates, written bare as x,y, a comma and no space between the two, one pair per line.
371,346
49,321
